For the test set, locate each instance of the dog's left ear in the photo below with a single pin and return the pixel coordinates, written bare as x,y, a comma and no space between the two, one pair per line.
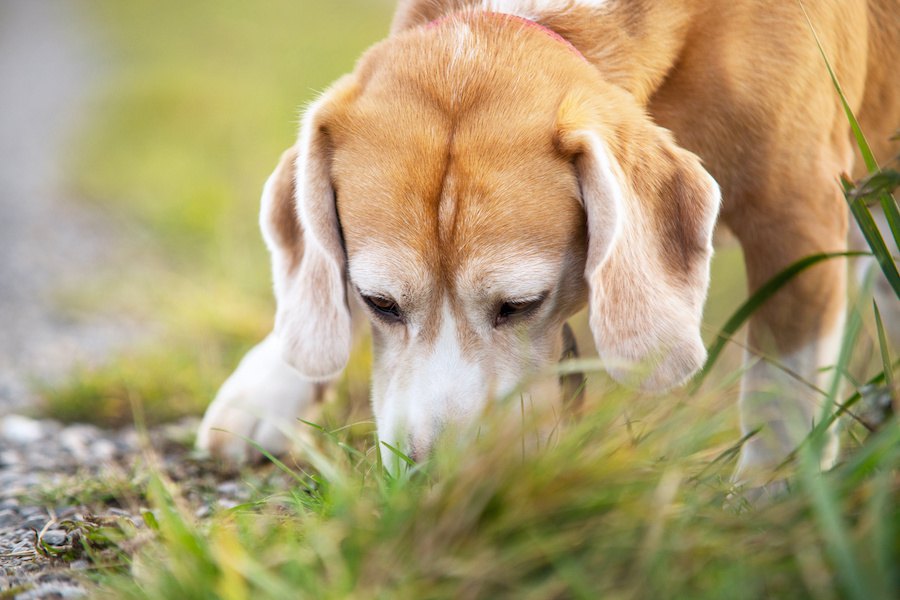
651,209
300,225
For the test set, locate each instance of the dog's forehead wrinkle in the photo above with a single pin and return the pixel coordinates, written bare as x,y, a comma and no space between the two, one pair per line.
512,273
393,270
446,198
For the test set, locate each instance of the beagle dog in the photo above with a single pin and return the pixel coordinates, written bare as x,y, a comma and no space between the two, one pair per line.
495,165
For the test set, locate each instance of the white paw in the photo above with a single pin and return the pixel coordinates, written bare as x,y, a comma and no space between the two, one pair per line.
261,401
755,496
762,471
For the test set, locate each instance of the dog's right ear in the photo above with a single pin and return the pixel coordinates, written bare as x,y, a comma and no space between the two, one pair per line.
650,211
299,222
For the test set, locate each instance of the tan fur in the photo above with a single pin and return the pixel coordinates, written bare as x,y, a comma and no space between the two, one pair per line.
467,138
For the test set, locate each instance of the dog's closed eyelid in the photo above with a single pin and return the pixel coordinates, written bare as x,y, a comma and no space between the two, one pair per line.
518,308
529,299
382,305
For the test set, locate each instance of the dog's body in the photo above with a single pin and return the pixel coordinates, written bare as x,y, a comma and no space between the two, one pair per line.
480,177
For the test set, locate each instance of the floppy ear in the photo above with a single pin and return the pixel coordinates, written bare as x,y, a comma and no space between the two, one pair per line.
650,220
299,222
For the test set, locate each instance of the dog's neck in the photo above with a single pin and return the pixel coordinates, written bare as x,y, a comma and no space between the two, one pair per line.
633,44
504,18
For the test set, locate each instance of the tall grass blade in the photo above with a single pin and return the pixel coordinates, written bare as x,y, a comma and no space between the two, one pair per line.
857,396
273,459
883,347
884,533
880,453
825,503
399,454
882,184
816,437
752,304
857,207
848,344
837,540
870,231
864,148
333,438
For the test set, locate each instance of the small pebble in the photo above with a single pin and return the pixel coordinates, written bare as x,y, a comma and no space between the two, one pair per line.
75,440
9,518
21,430
54,537
103,450
34,522
229,488
10,458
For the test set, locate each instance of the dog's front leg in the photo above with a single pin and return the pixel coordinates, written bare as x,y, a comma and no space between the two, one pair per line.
795,337
262,402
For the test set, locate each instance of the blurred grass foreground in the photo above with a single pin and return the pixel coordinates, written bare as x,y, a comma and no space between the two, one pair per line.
633,502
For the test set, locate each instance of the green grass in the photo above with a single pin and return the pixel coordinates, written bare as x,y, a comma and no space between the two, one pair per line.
632,502
609,511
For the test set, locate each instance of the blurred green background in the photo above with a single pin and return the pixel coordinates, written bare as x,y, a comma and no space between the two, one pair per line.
198,101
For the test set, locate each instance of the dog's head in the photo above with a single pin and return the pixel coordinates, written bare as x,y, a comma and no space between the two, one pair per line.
472,186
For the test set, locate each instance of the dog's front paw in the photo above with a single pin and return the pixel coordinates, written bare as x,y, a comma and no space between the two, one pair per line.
259,403
745,496
763,474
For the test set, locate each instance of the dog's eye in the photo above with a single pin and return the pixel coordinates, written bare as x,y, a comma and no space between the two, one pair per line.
384,307
517,308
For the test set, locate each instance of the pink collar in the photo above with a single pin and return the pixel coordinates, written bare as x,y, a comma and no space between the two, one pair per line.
515,19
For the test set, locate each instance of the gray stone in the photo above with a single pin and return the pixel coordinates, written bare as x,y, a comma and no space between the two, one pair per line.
55,537
36,522
10,458
103,450
9,518
20,430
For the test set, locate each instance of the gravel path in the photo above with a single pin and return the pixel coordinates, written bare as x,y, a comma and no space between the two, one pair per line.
48,242
49,245
44,468
60,483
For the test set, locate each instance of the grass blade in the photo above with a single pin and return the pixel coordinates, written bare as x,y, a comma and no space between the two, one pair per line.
766,291
885,351
858,208
872,234
864,148
837,540
882,184
273,459
399,454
